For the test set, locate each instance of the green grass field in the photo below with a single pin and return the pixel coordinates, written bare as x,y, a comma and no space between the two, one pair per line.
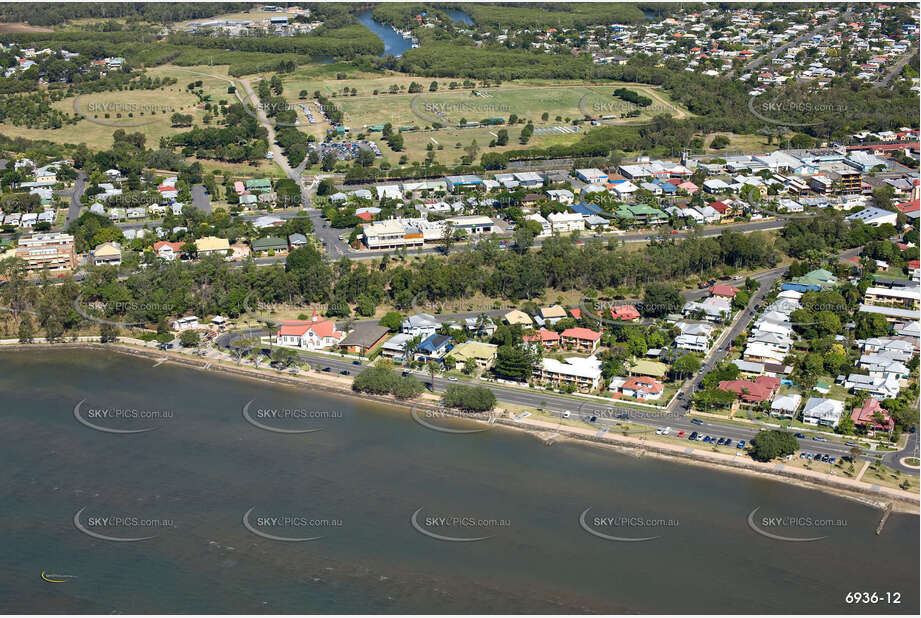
562,102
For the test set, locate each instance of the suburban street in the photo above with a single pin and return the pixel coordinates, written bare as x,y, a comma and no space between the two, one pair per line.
606,411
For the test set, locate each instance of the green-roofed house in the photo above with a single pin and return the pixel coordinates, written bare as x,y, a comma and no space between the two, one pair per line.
248,200
819,277
624,213
643,213
258,184
270,243
643,367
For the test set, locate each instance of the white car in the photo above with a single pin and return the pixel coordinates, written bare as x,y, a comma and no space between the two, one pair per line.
452,379
566,414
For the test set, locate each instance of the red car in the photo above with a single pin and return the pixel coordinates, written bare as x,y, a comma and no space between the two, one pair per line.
681,434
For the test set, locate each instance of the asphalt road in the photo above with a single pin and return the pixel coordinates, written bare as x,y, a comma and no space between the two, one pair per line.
757,62
200,199
73,212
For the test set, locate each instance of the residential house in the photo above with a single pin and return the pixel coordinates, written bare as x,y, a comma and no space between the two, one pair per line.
872,416
547,339
434,348
107,253
581,338
823,412
483,354
878,387
423,324
583,373
763,388
642,388
364,338
625,313
518,317
552,314
314,334
785,406
211,245
168,251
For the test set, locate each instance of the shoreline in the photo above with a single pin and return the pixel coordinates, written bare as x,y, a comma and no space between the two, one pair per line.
858,491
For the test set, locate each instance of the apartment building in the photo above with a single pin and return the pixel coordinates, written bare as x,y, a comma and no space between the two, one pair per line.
53,251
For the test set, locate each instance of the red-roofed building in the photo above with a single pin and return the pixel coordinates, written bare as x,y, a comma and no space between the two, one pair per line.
865,416
168,251
762,389
576,313
625,313
643,388
364,215
726,291
907,207
547,338
720,207
315,334
583,338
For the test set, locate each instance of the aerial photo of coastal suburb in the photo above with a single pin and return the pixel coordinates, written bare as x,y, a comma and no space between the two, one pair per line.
460,308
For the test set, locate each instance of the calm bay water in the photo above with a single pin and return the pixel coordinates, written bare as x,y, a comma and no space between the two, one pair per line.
393,42
369,469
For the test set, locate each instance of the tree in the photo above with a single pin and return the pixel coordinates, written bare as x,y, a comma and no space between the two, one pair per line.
686,365
189,338
514,362
393,320
469,398
661,299
26,329
771,444
108,332
502,137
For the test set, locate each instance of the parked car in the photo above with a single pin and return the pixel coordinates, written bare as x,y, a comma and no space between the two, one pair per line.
681,434
741,444
566,414
817,457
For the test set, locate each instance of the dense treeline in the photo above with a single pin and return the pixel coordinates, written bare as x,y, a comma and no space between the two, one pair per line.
52,14
346,42
552,15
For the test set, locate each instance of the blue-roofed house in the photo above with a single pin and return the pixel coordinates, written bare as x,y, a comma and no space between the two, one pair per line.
667,187
434,348
585,209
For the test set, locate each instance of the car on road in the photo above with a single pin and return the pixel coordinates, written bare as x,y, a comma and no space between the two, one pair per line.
623,417
697,421
355,362
326,369
680,395
344,372
566,414
593,419
799,435
850,444
741,444
819,439
452,378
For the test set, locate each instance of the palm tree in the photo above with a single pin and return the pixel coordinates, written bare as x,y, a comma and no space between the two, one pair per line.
431,369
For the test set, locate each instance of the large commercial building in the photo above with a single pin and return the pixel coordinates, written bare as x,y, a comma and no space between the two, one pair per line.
54,252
